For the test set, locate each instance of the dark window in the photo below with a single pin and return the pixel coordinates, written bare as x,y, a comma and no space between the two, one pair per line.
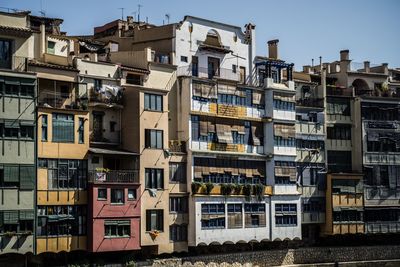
102,193
27,90
63,128
178,233
234,67
339,161
95,160
117,229
51,47
11,132
285,215
184,59
209,220
97,84
154,138
154,220
61,220
195,66
81,130
132,194
154,178
178,204
153,102
177,172
133,79
195,128
117,196
112,126
44,127
27,132
341,132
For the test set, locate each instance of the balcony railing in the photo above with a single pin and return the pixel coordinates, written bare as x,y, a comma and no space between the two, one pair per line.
310,102
114,176
381,193
226,74
15,63
95,97
61,100
177,146
338,91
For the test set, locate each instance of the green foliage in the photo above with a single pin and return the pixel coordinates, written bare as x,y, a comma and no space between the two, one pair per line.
259,190
209,187
247,190
226,189
237,188
196,187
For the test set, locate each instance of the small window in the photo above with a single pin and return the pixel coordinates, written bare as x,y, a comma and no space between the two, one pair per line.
133,79
154,178
154,139
97,84
154,220
131,194
234,68
51,47
44,128
117,196
81,131
153,102
112,126
27,132
184,59
95,160
102,193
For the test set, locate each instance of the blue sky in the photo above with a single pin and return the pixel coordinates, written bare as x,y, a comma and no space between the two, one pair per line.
306,28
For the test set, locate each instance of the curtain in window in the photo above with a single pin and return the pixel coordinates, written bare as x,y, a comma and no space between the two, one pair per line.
256,97
226,89
211,127
224,134
256,132
203,128
393,176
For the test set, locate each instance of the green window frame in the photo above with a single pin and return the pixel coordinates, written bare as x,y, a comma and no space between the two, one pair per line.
63,128
117,228
51,47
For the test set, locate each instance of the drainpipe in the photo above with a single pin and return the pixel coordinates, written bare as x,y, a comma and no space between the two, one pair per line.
42,40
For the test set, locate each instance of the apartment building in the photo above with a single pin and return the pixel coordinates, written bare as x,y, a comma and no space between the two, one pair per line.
63,143
17,135
310,146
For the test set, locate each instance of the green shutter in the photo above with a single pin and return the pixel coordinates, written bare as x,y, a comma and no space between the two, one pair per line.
10,217
11,173
26,215
1,218
27,177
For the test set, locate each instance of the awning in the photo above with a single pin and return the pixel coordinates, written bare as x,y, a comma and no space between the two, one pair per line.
111,152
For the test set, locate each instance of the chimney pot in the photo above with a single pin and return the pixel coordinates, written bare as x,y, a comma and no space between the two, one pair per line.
344,54
273,48
366,66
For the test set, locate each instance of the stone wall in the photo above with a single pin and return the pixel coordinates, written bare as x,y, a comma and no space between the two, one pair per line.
284,257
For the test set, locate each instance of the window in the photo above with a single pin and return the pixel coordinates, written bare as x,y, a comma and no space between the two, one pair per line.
51,47
234,67
63,128
6,54
81,130
112,126
339,161
117,229
102,193
235,216
154,178
195,66
95,160
254,215
64,173
209,218
62,220
285,215
44,128
154,138
11,132
133,79
153,102
184,59
178,233
178,204
26,132
177,172
340,132
285,142
117,196
154,220
347,216
27,90
97,84
195,128
16,221
131,194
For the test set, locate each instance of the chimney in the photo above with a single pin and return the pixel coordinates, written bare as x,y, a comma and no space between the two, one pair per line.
344,55
366,66
385,67
251,38
273,49
42,43
129,19
307,69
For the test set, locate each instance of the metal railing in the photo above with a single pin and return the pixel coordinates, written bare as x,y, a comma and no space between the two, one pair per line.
382,227
338,91
114,176
177,146
381,193
96,97
61,100
227,74
310,102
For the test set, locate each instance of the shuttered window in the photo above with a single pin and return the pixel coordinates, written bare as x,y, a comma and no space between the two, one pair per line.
27,177
154,220
235,217
63,128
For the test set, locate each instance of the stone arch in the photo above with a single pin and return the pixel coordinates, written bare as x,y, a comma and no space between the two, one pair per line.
360,87
213,38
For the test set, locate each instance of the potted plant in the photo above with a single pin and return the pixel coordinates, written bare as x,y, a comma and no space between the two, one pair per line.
237,188
196,186
247,190
209,187
259,191
226,189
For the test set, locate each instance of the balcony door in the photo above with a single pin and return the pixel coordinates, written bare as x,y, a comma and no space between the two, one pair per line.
5,54
97,126
213,67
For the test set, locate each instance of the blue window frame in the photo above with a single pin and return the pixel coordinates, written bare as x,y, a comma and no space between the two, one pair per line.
208,222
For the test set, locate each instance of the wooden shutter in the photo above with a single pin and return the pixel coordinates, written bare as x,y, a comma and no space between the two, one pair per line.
203,128
27,177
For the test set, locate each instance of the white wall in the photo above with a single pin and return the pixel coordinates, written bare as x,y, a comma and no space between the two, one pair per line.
286,232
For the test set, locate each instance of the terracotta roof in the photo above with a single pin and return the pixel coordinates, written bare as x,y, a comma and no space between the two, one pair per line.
140,70
53,66
16,30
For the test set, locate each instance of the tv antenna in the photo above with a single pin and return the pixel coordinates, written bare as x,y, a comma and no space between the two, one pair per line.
42,12
139,6
167,16
122,12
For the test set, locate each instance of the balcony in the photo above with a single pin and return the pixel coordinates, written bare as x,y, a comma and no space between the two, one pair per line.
310,155
114,176
176,146
286,189
348,228
377,196
382,227
310,129
221,189
285,150
312,217
338,144
310,102
107,99
332,90
235,148
15,63
347,200
381,158
206,73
